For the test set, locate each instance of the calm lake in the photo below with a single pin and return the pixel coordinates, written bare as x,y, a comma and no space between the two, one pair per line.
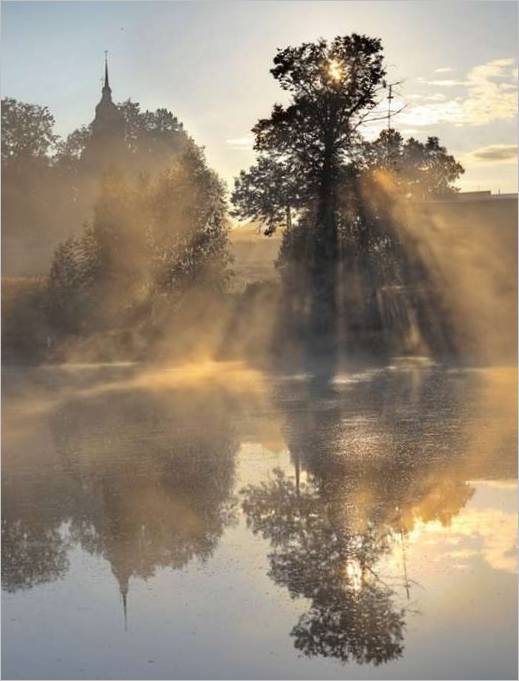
212,521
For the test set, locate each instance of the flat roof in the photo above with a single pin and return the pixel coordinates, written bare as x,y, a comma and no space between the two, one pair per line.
465,197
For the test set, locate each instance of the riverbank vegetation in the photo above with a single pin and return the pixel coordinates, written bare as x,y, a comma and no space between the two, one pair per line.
141,263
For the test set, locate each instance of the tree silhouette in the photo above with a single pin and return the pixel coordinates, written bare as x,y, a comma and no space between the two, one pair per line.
387,288
50,184
27,132
364,628
28,183
134,480
153,244
33,553
348,278
360,485
421,171
332,86
268,192
318,555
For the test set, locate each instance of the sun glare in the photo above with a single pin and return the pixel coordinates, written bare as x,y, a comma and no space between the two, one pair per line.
353,573
335,70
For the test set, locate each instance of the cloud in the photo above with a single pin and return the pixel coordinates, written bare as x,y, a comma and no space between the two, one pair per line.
497,532
488,533
443,69
423,115
435,97
242,143
446,83
494,153
490,95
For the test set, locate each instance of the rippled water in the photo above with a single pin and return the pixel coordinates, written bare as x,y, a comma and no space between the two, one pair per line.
209,521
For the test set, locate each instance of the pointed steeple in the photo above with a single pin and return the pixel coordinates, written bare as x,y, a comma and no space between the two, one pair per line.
106,69
108,129
124,594
107,91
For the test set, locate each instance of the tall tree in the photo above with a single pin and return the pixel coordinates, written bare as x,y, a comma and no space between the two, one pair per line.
332,86
340,258
268,192
27,131
28,192
156,251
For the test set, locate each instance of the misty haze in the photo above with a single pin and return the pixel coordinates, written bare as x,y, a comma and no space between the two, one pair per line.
259,336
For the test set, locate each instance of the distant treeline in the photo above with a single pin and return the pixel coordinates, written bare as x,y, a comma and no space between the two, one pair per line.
49,184
144,238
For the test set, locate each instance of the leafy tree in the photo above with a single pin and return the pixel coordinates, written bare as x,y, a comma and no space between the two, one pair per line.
152,139
268,192
33,553
333,86
189,228
28,191
341,256
65,285
69,151
152,136
398,282
152,245
420,170
428,170
25,328
27,131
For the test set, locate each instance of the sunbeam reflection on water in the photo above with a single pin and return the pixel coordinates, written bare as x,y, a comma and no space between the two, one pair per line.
254,526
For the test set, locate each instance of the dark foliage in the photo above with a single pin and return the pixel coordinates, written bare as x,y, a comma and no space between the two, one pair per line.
348,279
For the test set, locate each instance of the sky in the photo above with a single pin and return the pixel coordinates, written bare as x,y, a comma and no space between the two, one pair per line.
209,62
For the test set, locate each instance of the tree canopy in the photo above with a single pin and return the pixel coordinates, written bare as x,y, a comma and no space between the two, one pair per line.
421,170
49,188
340,259
27,131
150,244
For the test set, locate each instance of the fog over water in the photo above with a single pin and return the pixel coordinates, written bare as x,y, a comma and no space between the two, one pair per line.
213,521
268,432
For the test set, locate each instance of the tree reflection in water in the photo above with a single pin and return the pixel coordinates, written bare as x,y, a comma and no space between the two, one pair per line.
162,492
371,459
137,480
143,476
32,554
318,556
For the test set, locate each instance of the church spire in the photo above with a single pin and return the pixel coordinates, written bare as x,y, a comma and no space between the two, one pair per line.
124,594
106,85
108,129
107,90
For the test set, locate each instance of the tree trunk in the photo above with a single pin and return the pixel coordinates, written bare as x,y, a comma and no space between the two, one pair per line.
324,263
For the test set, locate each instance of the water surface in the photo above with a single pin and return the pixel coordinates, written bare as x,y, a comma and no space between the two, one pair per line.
209,521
